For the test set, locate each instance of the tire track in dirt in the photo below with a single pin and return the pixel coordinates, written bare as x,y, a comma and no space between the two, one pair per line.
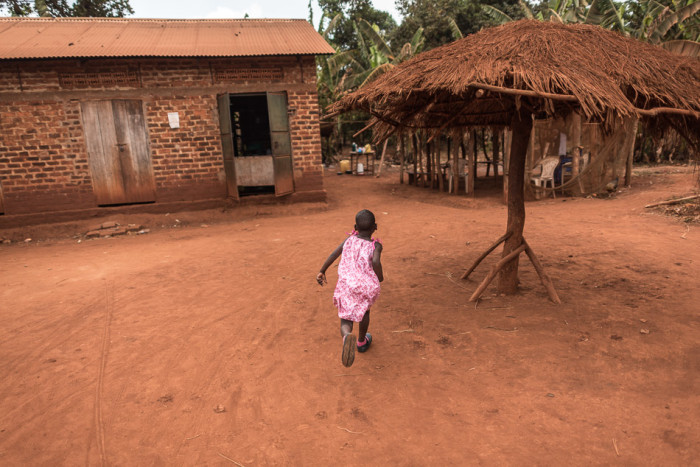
98,429
49,336
217,381
212,381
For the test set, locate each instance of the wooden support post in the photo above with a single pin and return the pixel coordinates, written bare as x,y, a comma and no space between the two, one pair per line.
471,164
575,144
496,145
508,137
485,254
475,143
456,137
521,124
544,278
513,255
450,180
577,151
438,164
428,174
433,166
402,156
420,161
629,148
414,139
431,158
486,153
533,157
381,161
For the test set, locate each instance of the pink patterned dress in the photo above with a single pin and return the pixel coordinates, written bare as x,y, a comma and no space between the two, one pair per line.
358,285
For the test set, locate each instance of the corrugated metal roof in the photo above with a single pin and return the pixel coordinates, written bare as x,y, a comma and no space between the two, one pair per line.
128,37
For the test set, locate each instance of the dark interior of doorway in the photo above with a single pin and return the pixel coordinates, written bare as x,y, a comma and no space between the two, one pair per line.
251,133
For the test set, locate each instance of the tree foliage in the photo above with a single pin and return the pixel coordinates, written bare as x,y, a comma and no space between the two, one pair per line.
349,69
445,20
344,36
64,8
369,44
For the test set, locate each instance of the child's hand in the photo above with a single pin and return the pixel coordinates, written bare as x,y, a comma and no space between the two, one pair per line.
321,278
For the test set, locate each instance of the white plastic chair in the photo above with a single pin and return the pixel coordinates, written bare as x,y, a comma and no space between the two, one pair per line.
548,164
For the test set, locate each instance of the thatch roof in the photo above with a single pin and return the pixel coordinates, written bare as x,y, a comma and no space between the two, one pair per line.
549,68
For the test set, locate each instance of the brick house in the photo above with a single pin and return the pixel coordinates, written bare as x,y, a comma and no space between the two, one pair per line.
104,112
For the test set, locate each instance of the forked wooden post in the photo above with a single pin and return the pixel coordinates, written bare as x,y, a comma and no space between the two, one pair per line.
544,278
492,274
485,254
521,124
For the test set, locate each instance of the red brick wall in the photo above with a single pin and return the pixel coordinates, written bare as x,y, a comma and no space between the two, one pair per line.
187,161
43,159
306,140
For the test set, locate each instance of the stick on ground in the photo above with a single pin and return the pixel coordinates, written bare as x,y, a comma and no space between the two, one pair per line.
353,432
672,201
229,459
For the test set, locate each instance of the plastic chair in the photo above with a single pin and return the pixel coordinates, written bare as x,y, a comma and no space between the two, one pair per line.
548,165
567,165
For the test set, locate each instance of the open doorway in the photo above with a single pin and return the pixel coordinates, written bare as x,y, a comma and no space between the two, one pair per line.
256,144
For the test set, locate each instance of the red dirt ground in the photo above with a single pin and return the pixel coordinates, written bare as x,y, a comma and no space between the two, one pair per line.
201,345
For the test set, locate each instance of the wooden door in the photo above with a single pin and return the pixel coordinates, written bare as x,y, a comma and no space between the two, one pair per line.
226,130
118,152
281,142
133,150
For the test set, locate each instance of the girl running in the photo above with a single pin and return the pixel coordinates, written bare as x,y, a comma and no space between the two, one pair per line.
359,275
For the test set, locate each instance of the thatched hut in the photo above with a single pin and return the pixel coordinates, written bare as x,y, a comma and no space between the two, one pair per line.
508,75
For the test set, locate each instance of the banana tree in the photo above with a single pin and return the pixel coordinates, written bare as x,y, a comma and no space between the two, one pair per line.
606,14
675,27
562,11
330,81
375,54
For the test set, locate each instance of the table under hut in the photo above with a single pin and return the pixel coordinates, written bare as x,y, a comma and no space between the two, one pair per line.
509,76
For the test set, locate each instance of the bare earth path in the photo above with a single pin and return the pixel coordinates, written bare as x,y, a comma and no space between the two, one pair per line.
198,346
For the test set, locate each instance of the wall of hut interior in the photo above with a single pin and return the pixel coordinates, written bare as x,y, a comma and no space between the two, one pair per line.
589,158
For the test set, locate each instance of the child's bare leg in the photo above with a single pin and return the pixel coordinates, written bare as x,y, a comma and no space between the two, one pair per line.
349,343
364,325
345,327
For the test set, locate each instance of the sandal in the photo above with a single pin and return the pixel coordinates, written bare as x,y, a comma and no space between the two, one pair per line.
348,355
365,346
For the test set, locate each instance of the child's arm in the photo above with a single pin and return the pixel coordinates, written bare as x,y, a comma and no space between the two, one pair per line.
321,276
377,261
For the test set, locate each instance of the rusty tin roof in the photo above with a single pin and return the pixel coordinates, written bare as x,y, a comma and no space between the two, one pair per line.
22,38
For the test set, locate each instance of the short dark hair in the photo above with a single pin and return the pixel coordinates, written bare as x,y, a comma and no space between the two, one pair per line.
364,220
